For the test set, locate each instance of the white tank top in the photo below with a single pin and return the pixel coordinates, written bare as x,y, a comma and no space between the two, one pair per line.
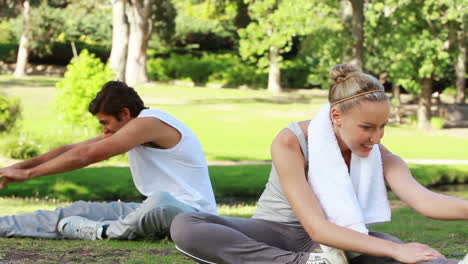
181,171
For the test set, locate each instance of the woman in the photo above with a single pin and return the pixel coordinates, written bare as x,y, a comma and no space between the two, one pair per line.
325,188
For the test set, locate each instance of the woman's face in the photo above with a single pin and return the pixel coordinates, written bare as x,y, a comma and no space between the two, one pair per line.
362,127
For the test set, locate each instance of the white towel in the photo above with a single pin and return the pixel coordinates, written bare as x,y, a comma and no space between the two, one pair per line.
352,200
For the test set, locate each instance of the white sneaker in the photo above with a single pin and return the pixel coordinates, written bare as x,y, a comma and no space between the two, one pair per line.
333,256
80,228
464,260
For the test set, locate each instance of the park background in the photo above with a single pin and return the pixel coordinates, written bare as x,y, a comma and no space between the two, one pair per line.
236,72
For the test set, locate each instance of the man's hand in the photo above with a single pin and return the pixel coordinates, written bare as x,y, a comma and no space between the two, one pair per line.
10,175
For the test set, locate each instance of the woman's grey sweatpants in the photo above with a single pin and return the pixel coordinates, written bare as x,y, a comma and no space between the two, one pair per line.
153,217
210,238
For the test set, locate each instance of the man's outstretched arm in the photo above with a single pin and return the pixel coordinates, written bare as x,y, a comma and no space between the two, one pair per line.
136,132
31,163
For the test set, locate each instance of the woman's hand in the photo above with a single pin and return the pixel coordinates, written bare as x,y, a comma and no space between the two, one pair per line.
416,252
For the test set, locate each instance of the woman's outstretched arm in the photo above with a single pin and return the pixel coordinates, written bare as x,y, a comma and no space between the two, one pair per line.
426,202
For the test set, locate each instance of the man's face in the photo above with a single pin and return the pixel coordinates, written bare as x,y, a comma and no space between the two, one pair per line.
110,124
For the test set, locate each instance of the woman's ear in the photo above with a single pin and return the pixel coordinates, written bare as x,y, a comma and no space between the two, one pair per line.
335,116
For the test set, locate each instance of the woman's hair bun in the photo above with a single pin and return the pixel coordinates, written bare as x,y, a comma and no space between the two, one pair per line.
342,72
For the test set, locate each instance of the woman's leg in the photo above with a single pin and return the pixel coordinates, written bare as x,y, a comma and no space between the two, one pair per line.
214,239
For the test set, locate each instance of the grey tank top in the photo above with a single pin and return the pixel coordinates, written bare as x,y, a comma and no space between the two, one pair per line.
273,204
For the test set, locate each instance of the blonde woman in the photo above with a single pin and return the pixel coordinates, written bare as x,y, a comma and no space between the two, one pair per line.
326,187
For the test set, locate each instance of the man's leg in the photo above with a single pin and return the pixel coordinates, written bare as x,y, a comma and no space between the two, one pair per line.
152,218
43,224
366,259
210,238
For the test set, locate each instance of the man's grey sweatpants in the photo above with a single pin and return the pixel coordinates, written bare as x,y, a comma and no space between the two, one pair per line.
216,239
153,217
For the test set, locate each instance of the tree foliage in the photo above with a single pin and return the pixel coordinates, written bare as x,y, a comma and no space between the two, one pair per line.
87,21
408,39
45,25
276,23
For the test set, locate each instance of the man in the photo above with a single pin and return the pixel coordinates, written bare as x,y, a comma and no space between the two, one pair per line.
166,161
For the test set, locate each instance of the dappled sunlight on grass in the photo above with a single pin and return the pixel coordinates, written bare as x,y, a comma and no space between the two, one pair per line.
238,210
67,189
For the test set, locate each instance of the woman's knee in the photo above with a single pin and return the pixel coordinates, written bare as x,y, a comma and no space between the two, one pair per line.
184,227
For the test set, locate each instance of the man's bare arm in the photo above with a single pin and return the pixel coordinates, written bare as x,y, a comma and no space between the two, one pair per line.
31,163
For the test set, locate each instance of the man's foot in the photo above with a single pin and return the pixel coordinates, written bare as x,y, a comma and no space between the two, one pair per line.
80,228
333,256
464,260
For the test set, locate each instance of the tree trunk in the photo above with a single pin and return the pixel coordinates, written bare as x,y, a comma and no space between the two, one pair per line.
397,102
140,21
357,55
346,16
460,72
274,75
23,50
242,18
73,46
118,56
424,109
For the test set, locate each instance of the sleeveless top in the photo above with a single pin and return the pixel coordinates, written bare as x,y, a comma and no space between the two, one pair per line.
181,171
273,204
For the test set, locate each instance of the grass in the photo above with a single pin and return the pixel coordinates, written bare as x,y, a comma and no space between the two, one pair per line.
449,238
232,124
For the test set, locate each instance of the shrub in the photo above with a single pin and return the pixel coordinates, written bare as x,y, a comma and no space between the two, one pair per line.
21,146
295,74
227,69
8,52
9,112
437,122
412,120
84,78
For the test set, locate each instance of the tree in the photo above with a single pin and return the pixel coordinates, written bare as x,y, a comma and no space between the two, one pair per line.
457,21
274,24
357,29
133,22
40,26
408,37
24,47
86,21
120,29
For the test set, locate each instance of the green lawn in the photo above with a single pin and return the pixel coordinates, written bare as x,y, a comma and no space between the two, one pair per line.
449,237
232,124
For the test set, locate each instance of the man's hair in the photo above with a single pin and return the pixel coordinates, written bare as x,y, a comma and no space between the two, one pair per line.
114,96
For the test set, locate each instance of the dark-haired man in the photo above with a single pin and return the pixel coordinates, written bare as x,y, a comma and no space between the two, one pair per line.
166,161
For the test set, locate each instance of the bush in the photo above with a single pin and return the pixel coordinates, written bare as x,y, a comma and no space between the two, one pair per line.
8,52
227,69
9,112
21,146
437,122
85,77
295,74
